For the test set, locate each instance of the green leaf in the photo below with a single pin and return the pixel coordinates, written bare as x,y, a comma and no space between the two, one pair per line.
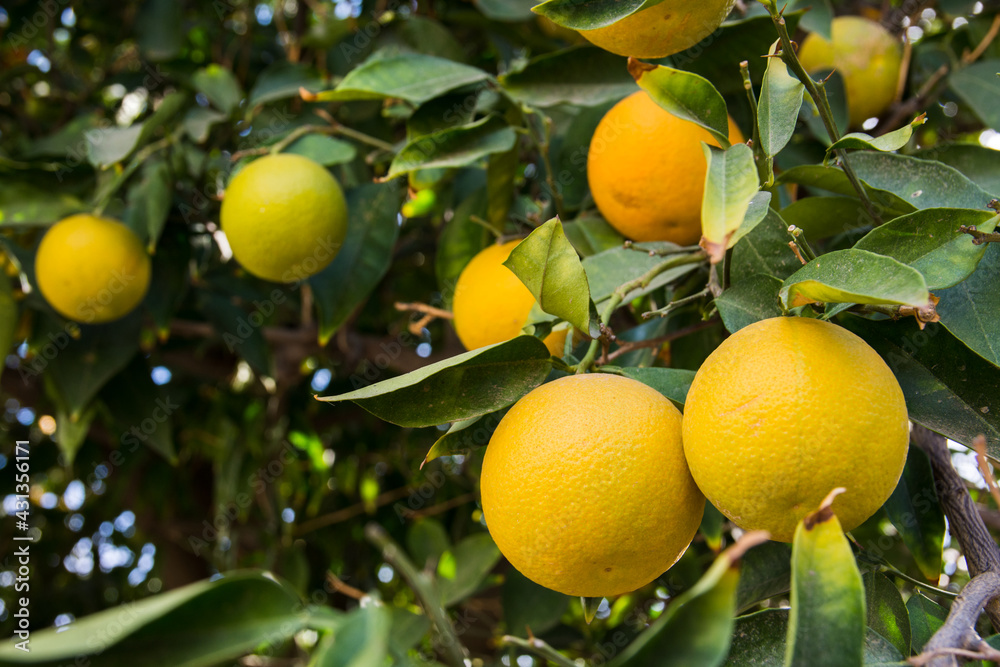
506,10
591,235
201,624
501,171
414,77
233,324
150,199
947,387
979,86
730,185
765,250
9,318
71,431
979,164
697,627
363,259
607,270
281,81
686,95
854,276
590,15
886,612
822,217
454,147
766,572
220,86
836,96
528,607
833,179
426,540
926,617
406,631
753,299
929,241
361,640
891,141
969,310
914,510
110,145
671,382
198,121
465,435
28,205
141,411
826,624
462,569
467,385
549,267
778,108
461,240
159,29
757,210
322,149
922,183
583,76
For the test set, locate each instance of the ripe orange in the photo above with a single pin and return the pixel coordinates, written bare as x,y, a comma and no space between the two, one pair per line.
584,486
866,56
285,217
786,410
661,30
646,171
491,304
92,269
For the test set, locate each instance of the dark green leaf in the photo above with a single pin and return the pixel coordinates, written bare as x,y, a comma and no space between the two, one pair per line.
507,10
360,641
833,179
590,15
450,110
467,385
426,540
363,258
766,572
570,149
821,217
454,147
826,624
922,183
686,95
406,631
150,199
528,607
141,411
607,270
836,95
671,382
501,170
461,239
160,29
916,513
979,86
462,569
549,267
929,241
282,80
753,299
24,204
926,617
947,387
854,276
886,612
765,250
818,17
969,309
414,77
583,75
201,624
592,235
778,109
239,335
322,149
220,86
979,164
465,435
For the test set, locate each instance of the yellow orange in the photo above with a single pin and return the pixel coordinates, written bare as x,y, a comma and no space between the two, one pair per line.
661,30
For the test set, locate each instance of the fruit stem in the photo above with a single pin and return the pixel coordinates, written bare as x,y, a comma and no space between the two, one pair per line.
539,648
765,165
424,589
817,91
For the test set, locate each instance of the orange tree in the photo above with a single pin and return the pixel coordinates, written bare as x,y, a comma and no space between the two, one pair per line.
174,494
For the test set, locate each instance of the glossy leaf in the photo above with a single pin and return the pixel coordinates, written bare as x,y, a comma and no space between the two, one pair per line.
922,183
590,15
322,149
220,86
766,572
833,179
414,77
752,299
462,569
583,75
979,164
886,612
528,607
926,617
467,385
779,104
947,387
454,147
914,510
854,276
826,623
361,640
233,615
730,186
890,141
363,258
549,267
591,235
671,382
969,310
929,241
686,95
979,86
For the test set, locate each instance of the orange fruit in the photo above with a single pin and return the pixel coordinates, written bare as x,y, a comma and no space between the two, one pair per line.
661,30
646,171
584,485
491,304
285,217
868,58
92,269
786,410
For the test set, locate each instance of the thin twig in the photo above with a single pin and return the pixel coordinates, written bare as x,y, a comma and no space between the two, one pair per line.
348,590
352,511
425,309
984,43
978,237
674,305
629,346
539,648
457,501
425,590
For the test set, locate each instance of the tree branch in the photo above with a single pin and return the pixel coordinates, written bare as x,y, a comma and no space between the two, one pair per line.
958,631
